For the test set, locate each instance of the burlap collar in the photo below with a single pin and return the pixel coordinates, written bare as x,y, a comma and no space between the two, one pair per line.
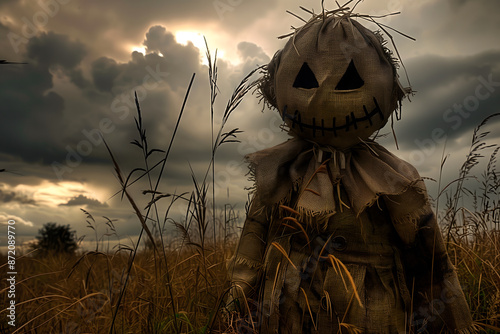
366,171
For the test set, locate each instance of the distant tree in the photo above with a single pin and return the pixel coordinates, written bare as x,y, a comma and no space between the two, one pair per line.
54,238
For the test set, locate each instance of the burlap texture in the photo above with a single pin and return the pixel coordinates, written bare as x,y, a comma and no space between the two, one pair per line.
327,113
368,179
367,172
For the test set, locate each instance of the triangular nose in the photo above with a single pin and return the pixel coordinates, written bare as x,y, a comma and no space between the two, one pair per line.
351,79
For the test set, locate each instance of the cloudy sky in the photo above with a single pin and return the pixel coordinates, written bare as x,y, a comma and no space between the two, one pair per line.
86,58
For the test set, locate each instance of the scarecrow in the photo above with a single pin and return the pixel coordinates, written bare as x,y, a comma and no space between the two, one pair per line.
340,235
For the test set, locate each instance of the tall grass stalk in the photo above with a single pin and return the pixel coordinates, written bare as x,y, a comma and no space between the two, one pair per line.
212,78
143,144
198,201
471,225
472,159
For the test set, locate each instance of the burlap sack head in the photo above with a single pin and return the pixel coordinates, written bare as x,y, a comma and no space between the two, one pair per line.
334,82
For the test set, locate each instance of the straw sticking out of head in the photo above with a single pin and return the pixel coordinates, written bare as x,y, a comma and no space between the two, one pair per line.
346,13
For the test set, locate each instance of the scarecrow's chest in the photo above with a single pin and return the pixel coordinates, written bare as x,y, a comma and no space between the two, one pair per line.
345,272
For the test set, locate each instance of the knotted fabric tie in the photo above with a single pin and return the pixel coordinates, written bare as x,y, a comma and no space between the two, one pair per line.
321,182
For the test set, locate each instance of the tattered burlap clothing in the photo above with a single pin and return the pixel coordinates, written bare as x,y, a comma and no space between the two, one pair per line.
300,264
367,248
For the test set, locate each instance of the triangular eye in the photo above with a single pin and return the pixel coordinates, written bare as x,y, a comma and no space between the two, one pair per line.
305,78
350,79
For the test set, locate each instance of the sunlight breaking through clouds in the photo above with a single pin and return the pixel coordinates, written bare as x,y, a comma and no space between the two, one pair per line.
55,194
183,37
140,49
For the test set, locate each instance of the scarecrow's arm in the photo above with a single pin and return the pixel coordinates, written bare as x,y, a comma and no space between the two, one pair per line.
438,299
246,264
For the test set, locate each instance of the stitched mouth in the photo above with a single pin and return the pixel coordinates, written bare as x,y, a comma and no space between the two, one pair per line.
351,121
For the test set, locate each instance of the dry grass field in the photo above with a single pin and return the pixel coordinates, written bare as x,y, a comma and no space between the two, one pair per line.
180,291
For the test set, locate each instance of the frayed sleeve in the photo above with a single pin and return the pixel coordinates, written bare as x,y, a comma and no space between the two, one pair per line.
245,266
438,300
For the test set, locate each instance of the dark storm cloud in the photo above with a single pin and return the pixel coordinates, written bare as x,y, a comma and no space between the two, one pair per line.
161,105
33,114
77,78
173,69
165,63
175,56
160,79
82,200
104,71
110,25
445,28
454,94
51,49
29,114
9,196
47,131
